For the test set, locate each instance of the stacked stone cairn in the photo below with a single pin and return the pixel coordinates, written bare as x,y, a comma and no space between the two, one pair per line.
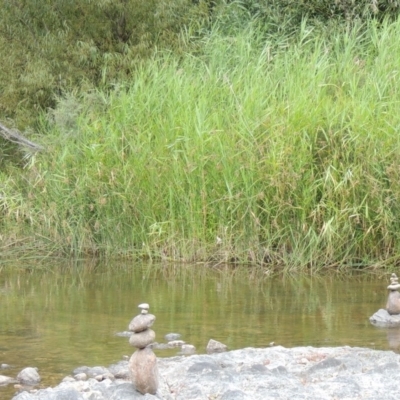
393,302
389,317
143,362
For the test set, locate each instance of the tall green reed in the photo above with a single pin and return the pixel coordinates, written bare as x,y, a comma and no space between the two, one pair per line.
254,150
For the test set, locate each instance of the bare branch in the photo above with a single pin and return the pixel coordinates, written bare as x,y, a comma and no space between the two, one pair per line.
16,137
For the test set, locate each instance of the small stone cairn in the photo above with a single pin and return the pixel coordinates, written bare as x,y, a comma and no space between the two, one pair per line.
390,316
143,362
393,302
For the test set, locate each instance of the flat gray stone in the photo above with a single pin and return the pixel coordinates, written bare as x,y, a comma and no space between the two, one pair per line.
383,319
172,336
201,367
91,371
6,380
235,395
124,391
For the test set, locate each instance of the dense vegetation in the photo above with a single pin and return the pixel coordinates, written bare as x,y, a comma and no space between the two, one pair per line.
251,132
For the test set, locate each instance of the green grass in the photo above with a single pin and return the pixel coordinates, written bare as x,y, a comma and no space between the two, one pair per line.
285,150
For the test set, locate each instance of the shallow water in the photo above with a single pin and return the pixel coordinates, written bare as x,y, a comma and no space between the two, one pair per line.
59,318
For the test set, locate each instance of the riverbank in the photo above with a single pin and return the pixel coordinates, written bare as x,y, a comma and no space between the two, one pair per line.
280,154
250,373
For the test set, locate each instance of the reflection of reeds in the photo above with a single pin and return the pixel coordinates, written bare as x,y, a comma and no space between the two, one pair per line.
254,152
85,307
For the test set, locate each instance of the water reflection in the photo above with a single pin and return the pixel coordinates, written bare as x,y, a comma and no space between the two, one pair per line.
393,338
61,318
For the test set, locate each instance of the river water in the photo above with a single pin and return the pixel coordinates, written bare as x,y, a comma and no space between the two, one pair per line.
58,317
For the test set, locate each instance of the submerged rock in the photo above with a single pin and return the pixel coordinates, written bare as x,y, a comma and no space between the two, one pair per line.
175,343
172,336
124,334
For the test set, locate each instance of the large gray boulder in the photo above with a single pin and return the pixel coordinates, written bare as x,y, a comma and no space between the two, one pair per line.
252,374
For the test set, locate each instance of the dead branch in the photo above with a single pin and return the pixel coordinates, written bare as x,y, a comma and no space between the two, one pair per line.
16,137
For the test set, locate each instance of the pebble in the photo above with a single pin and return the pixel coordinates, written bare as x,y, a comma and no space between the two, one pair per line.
172,336
175,343
214,346
81,377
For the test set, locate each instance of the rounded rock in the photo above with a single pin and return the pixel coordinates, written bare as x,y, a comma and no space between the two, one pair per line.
188,349
393,303
144,371
141,322
142,339
172,336
29,376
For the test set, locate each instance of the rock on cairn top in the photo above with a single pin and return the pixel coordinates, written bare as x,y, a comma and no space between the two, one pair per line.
394,282
144,307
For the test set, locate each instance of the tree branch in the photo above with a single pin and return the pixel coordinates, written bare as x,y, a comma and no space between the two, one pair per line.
16,137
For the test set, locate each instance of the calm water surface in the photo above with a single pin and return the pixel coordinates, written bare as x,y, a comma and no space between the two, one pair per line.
59,318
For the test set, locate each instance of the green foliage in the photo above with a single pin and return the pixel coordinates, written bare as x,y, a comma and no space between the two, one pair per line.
249,152
49,47
287,15
347,9
271,140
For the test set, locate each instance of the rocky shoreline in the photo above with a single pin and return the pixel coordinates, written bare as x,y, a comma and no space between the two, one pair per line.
250,373
247,374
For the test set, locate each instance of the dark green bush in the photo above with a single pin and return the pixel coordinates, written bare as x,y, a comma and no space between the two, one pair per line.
49,47
280,12
346,9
